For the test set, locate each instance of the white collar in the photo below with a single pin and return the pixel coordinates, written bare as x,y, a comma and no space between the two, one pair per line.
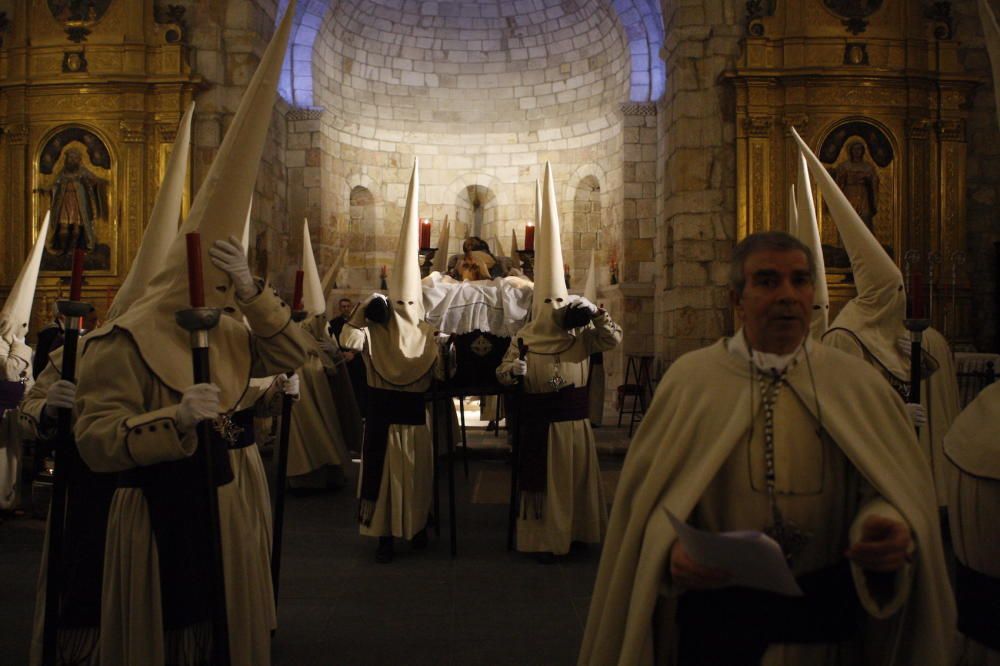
738,346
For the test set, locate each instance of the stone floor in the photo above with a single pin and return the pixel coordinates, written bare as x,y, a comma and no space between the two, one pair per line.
487,606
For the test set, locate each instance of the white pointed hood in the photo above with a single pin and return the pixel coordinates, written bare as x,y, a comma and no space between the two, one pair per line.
313,300
441,256
331,273
807,231
163,222
590,286
793,212
246,229
876,314
164,346
15,316
991,34
543,333
403,350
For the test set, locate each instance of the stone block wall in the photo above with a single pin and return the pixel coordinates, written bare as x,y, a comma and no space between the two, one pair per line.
983,181
697,155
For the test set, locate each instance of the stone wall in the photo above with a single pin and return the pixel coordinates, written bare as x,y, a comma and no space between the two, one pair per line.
697,221
983,182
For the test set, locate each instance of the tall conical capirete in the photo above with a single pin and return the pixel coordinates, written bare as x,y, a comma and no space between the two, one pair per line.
808,233
230,178
550,278
590,286
991,34
404,281
793,212
164,221
218,212
876,314
313,298
246,230
331,273
441,256
16,313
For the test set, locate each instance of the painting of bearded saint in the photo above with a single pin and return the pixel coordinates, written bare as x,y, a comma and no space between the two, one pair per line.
77,201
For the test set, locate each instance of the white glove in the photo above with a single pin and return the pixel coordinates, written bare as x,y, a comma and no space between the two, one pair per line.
519,368
288,385
61,395
917,414
905,346
585,303
228,256
199,402
326,345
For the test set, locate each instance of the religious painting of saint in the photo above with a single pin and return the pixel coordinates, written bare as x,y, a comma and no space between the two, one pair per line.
78,11
860,158
74,183
853,8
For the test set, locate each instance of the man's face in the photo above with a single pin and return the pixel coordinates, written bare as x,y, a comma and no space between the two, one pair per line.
345,306
776,303
72,160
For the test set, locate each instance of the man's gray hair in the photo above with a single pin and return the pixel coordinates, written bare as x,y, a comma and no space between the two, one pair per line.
764,240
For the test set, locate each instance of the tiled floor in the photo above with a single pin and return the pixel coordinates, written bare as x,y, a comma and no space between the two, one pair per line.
487,606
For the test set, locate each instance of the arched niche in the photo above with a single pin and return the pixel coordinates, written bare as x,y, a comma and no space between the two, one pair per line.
476,211
362,224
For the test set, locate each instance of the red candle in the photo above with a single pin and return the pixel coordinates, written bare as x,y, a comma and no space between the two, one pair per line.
196,280
297,299
916,295
76,282
529,238
425,233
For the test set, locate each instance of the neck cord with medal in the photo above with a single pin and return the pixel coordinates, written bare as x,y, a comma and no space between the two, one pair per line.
787,534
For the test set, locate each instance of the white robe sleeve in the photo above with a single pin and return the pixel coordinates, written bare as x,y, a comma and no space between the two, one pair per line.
880,603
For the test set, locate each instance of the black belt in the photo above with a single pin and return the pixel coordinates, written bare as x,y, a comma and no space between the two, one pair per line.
243,433
538,411
978,599
177,499
11,394
385,407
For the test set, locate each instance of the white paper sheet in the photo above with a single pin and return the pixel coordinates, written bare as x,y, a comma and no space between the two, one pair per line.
753,558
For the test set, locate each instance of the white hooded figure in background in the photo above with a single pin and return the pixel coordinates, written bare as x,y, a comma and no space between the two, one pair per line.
870,326
559,477
402,357
15,371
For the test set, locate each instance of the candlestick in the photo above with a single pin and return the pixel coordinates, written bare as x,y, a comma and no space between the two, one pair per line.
529,237
297,299
76,282
196,281
425,233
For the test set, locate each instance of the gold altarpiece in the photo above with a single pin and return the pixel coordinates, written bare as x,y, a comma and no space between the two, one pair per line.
108,80
882,73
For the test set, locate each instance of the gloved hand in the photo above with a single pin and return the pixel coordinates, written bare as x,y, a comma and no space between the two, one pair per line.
288,385
199,402
905,346
917,414
61,395
228,256
587,305
377,309
326,346
519,368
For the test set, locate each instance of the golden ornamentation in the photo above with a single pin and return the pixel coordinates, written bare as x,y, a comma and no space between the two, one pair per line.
16,135
131,131
758,126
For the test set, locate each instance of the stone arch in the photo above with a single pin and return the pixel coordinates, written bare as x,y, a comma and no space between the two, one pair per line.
364,218
641,20
587,204
459,196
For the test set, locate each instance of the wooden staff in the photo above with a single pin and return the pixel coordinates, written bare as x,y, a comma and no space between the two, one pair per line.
515,448
199,320
73,310
916,323
281,464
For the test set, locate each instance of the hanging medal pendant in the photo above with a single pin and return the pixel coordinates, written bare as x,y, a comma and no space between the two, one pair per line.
790,538
227,428
557,380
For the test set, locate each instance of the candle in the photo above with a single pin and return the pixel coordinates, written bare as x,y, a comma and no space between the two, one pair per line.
529,238
425,233
297,299
196,281
76,282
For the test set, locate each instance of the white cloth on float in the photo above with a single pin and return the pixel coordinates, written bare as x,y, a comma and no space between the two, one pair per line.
500,306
